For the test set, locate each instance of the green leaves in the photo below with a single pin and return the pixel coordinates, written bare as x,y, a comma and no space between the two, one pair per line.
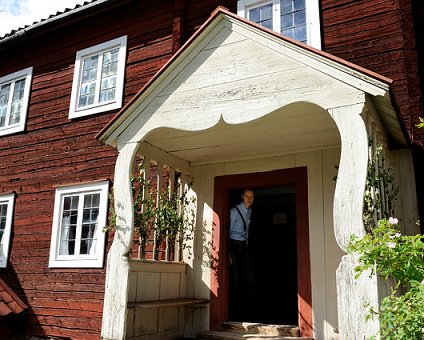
380,189
386,252
162,214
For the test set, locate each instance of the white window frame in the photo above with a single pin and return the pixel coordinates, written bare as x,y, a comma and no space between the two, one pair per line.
12,78
74,111
9,200
313,25
86,260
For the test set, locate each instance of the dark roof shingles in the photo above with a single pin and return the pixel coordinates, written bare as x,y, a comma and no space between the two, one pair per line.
66,10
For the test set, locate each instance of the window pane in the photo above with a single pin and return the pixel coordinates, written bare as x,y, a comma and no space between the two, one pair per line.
262,15
299,5
109,72
299,18
288,33
286,21
67,239
67,203
88,81
95,200
293,19
74,202
15,114
68,225
267,12
267,24
3,215
18,92
286,6
89,224
4,100
4,94
254,15
300,33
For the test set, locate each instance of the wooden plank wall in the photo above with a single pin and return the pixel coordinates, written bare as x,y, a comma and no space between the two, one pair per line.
56,151
378,35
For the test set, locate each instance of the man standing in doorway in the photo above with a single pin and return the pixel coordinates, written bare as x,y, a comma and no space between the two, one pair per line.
242,280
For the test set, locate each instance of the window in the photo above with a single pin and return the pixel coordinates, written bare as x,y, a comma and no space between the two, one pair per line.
14,97
6,213
80,213
297,19
98,78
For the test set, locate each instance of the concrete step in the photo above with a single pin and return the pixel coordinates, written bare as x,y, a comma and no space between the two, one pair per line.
223,335
252,331
260,328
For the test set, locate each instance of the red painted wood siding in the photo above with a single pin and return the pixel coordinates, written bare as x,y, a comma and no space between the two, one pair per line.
56,151
378,35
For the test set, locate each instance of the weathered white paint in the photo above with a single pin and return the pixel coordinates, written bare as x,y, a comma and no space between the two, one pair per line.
153,281
325,253
348,221
348,199
251,63
240,100
355,297
407,206
117,269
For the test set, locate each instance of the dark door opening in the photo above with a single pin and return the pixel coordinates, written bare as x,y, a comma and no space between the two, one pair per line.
227,193
273,253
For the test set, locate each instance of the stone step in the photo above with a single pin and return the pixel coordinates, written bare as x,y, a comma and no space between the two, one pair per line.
231,330
260,328
225,335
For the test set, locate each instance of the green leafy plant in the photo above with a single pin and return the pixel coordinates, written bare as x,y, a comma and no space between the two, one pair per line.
163,217
386,252
380,190
167,214
174,219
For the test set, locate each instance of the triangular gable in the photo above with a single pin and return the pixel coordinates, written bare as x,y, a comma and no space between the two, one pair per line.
214,40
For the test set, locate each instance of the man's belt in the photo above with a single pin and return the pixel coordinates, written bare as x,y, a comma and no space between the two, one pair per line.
238,242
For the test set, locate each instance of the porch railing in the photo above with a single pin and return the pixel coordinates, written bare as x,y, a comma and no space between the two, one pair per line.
155,185
381,187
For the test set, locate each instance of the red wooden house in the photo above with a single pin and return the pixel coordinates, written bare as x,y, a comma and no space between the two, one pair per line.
279,96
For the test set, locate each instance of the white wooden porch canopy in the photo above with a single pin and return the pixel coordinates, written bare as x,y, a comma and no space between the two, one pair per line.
236,90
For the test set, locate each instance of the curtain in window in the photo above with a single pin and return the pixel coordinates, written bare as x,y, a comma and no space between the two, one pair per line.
64,236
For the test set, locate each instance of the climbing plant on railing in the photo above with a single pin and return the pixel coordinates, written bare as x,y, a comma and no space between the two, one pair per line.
386,252
164,217
380,190
167,213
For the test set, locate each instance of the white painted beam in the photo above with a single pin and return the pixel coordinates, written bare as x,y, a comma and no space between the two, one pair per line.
169,159
117,268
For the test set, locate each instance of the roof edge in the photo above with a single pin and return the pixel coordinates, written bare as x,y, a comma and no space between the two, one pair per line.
27,30
104,134
101,135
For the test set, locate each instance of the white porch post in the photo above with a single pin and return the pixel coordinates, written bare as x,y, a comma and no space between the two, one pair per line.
354,296
117,269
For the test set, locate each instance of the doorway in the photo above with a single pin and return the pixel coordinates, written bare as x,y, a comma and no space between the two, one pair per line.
273,253
281,262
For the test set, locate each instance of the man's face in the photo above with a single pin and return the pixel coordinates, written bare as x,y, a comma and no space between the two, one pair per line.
247,198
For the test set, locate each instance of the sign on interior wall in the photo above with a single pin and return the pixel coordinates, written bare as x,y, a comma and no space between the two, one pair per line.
279,218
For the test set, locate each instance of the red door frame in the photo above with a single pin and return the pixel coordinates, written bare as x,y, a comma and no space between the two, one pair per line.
220,275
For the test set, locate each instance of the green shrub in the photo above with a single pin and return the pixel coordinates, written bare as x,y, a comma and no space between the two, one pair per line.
388,253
